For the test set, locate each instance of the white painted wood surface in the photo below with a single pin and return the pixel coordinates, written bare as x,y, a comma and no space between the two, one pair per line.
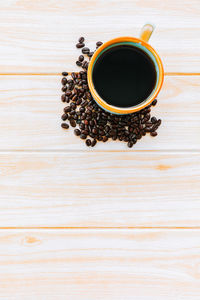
31,110
51,185
100,264
109,189
40,36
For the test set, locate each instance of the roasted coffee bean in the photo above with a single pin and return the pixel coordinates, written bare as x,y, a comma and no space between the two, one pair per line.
159,122
72,112
98,44
154,133
77,132
86,122
105,138
73,105
73,123
90,54
93,143
153,120
154,102
84,103
64,117
64,88
88,142
81,58
80,45
64,73
85,86
64,81
63,98
130,144
67,99
67,109
73,75
82,109
82,126
84,132
74,98
65,125
81,39
83,136
85,50
68,93
95,130
79,63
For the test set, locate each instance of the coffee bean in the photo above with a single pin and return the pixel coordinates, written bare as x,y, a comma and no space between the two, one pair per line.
130,144
154,133
88,142
64,117
64,73
90,54
73,74
81,58
159,122
81,39
84,103
93,143
67,109
64,81
63,98
105,138
99,138
78,102
77,132
79,63
74,98
85,50
64,88
153,120
95,130
84,132
98,44
80,45
72,112
65,125
73,123
68,93
83,136
86,122
154,102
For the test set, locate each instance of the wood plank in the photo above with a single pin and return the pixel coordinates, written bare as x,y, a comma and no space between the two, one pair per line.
119,189
39,36
30,109
100,264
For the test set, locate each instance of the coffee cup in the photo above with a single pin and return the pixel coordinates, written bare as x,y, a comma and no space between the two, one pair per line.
125,74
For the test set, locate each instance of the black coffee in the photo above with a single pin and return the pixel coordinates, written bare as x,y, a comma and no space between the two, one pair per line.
124,76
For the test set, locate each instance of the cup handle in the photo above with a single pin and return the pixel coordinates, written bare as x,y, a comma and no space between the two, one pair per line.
146,32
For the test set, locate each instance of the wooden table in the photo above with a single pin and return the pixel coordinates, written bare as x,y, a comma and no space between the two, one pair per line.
104,223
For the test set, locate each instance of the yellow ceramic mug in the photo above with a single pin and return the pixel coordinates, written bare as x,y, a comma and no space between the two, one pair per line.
142,44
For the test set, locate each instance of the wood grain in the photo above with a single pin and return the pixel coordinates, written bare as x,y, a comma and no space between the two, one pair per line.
30,109
118,189
39,36
99,264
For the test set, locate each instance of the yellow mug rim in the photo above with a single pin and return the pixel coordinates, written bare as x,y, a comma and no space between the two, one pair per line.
118,110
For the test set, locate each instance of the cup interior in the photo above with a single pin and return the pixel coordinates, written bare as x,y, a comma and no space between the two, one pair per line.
152,55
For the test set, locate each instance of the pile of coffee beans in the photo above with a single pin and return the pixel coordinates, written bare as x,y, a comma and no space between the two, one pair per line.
91,121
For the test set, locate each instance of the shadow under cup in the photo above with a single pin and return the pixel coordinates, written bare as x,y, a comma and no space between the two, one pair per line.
142,48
